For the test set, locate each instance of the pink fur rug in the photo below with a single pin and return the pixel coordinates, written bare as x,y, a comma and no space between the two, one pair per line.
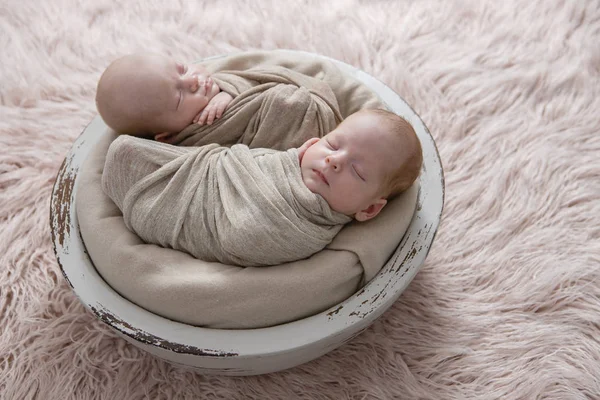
507,305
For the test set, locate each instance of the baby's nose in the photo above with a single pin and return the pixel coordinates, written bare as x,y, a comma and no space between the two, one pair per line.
192,82
333,162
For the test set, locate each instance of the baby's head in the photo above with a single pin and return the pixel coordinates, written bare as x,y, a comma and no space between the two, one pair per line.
372,156
145,94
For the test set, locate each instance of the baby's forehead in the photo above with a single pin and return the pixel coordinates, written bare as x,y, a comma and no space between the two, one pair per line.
358,131
142,68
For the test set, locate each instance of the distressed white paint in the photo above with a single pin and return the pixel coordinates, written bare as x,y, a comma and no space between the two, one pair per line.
257,351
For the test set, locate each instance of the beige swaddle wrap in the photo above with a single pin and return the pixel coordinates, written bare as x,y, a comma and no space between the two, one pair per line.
273,107
240,206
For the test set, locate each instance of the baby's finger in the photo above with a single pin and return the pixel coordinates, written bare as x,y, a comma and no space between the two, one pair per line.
211,115
203,116
201,88
197,118
220,110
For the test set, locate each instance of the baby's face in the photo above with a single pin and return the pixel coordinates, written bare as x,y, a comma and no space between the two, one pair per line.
348,166
171,93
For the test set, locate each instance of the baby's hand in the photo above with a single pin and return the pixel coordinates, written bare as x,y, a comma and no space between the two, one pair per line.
214,109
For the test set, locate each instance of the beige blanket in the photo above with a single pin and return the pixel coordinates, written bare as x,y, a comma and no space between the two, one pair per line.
240,206
273,107
179,287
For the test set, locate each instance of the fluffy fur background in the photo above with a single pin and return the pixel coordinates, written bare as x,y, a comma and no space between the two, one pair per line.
507,305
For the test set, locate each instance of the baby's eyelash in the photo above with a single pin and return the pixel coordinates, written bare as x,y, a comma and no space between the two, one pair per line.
356,171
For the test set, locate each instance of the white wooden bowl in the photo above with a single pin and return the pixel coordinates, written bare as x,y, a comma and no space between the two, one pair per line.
248,351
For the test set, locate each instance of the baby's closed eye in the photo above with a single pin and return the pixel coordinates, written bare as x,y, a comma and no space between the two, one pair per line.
357,172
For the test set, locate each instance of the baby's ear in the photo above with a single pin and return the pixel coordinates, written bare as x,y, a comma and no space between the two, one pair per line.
164,137
371,211
305,147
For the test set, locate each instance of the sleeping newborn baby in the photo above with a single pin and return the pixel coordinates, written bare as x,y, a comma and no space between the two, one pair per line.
258,207
151,95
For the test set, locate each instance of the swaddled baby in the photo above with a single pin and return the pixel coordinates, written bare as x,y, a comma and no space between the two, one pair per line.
256,207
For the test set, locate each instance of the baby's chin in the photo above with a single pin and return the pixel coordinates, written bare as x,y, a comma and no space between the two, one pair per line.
314,188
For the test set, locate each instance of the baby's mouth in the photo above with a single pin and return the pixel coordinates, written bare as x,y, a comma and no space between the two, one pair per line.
321,176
